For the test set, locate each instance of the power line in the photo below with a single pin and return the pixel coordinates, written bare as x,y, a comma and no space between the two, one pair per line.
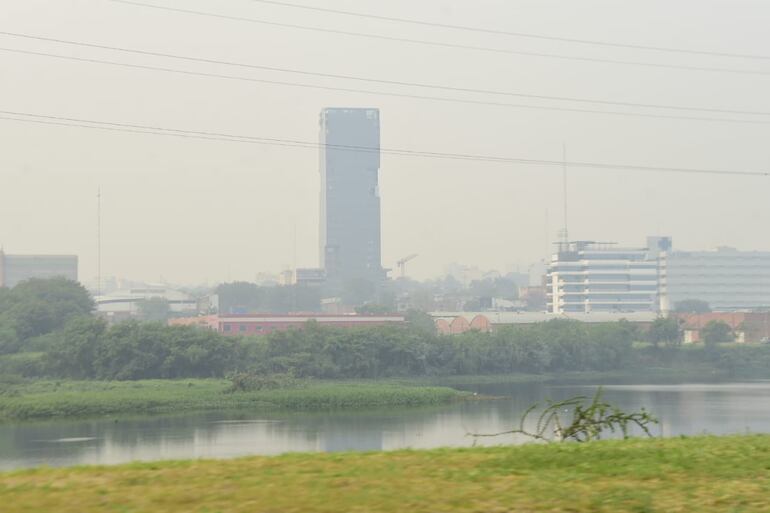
272,141
442,44
384,81
510,33
380,93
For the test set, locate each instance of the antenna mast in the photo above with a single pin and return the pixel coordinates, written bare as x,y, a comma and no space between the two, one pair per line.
565,233
99,241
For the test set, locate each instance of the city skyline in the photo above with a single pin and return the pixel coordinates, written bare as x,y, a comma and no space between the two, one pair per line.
196,211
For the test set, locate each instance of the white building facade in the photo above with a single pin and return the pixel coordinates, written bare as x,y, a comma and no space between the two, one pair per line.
726,279
126,304
586,277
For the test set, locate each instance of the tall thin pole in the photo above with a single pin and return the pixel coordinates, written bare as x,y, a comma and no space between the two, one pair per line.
293,283
564,185
294,220
99,242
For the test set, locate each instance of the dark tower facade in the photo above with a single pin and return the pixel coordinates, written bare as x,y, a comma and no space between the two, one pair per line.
350,195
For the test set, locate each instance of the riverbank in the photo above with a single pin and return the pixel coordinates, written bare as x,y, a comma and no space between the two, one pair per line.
63,399
32,400
703,474
646,375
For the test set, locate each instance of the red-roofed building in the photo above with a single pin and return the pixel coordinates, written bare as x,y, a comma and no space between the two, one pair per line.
263,324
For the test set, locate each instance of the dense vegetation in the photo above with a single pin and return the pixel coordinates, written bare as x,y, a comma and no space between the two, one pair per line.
47,330
704,475
88,349
243,297
50,399
36,308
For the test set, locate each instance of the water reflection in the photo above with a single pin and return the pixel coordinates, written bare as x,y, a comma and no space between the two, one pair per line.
683,409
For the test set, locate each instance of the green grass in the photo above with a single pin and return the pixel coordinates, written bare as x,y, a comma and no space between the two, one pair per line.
48,399
703,474
61,399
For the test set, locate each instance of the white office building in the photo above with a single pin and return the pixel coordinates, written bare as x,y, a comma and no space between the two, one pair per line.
586,277
726,279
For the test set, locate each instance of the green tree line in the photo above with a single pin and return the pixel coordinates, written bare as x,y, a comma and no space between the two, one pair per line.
47,329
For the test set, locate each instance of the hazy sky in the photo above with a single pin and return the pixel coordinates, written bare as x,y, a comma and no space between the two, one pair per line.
193,211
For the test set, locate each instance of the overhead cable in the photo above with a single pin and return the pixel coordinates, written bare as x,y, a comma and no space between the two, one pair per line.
381,93
511,33
384,81
444,44
18,116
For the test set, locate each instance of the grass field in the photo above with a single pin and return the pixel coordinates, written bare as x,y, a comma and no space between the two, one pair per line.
703,475
48,399
60,399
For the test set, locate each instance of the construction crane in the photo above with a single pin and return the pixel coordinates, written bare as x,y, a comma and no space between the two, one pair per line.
402,264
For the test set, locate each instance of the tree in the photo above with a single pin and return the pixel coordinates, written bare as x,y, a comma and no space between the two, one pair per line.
239,297
40,306
535,300
75,353
374,309
243,297
664,330
717,332
9,341
421,322
155,309
358,291
692,306
423,300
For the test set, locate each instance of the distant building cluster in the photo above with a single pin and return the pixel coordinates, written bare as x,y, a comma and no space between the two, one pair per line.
586,277
264,324
15,269
588,281
455,323
746,327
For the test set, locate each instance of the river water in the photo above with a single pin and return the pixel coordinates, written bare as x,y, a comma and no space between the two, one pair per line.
689,409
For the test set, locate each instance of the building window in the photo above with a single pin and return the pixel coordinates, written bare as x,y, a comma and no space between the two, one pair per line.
227,327
242,328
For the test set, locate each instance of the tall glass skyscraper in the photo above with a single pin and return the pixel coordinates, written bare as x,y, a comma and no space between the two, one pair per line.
350,195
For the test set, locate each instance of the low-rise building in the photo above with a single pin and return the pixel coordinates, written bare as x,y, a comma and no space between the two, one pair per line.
126,304
747,327
452,323
15,269
264,324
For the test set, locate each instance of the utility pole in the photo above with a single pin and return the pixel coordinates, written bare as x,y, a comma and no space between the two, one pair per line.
99,241
547,235
564,185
